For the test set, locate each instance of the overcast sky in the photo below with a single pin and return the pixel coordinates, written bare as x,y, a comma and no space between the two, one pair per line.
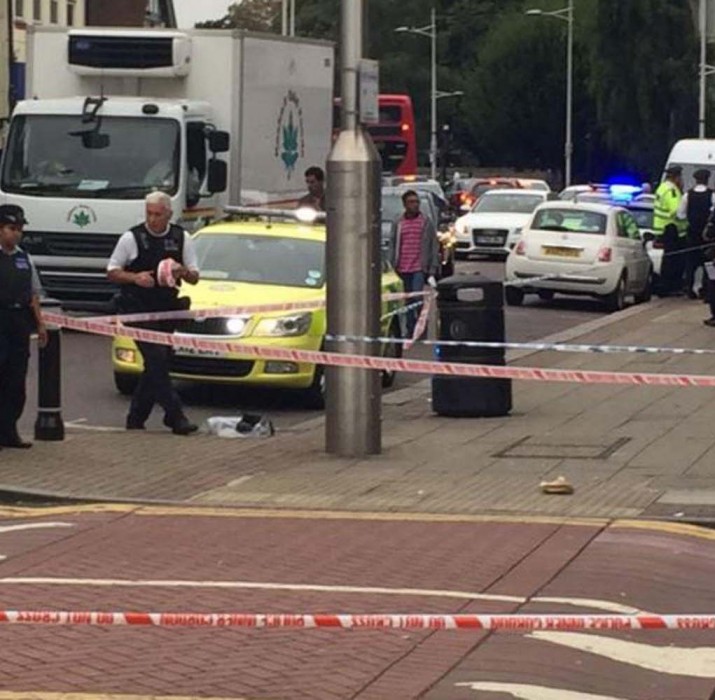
188,12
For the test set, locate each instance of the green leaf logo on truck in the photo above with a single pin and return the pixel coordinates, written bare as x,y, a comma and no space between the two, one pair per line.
290,134
82,216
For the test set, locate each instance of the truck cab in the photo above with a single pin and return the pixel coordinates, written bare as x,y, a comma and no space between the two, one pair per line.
81,167
210,117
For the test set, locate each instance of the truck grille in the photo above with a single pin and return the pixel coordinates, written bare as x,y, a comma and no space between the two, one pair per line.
75,245
489,237
88,290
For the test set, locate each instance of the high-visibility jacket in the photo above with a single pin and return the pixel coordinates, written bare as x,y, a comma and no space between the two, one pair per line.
665,207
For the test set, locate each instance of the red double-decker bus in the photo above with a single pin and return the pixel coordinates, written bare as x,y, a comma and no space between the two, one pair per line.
393,135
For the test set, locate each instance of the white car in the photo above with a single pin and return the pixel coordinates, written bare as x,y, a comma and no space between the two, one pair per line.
572,248
494,224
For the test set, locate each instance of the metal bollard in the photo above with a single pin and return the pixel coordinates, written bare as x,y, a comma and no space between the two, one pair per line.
49,424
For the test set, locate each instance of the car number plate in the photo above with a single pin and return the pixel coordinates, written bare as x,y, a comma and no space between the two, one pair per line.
184,351
561,252
490,239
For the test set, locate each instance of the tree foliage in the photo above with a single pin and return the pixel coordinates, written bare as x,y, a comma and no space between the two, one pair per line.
635,77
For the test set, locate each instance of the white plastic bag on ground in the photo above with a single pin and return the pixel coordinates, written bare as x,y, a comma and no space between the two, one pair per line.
241,426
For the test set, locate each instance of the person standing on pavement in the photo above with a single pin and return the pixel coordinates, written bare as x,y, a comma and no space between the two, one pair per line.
315,181
414,251
695,208
669,231
19,314
133,266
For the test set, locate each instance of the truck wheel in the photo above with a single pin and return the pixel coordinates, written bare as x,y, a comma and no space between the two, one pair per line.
125,383
514,296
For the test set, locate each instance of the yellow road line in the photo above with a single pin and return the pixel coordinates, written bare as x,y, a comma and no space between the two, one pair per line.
683,529
42,695
671,528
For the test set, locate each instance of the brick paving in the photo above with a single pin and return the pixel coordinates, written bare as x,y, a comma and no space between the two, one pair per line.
175,562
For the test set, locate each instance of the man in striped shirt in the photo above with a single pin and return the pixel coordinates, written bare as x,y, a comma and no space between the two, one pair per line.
415,250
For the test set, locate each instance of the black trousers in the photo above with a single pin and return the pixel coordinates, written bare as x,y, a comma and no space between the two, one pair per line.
673,266
155,386
15,329
694,259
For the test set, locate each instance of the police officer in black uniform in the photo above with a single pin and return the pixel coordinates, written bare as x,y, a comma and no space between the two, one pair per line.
133,265
695,207
19,314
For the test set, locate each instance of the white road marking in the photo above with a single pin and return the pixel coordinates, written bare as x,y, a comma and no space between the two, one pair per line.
605,605
534,692
80,424
32,526
29,526
696,662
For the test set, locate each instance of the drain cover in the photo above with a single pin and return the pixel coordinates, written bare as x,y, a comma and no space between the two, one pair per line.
530,447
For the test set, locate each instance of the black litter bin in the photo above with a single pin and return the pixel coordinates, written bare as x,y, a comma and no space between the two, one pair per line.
471,307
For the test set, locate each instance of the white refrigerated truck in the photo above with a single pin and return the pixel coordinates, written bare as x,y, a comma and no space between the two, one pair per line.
208,116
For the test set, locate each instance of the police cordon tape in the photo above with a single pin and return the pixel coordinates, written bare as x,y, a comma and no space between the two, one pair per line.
354,361
557,347
218,311
421,324
419,621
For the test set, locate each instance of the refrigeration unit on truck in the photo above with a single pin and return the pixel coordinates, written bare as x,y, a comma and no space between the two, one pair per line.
208,116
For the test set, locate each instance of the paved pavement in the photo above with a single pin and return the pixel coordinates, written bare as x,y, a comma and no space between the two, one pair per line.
629,451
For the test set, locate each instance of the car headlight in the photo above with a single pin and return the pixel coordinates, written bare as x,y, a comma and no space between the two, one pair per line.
236,325
282,326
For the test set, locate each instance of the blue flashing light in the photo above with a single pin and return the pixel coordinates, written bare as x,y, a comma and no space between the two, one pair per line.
624,193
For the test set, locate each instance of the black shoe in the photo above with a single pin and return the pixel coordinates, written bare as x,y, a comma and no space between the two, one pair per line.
181,426
133,424
691,294
15,441
710,322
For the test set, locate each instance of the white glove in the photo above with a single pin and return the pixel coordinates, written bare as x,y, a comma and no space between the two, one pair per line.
432,282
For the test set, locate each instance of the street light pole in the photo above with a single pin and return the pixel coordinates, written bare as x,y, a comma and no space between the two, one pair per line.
565,14
568,147
430,31
433,105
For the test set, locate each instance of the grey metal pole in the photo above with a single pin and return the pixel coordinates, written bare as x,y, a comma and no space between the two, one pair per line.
353,396
284,17
292,18
568,147
433,114
703,67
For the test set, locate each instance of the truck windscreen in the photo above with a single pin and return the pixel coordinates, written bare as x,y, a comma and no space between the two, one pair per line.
112,158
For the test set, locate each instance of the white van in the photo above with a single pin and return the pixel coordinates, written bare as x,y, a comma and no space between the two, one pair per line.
692,154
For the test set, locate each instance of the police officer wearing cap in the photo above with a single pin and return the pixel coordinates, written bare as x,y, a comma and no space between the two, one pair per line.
133,266
670,231
19,314
695,208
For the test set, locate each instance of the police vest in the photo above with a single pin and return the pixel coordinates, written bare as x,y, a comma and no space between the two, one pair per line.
699,205
15,280
665,207
151,251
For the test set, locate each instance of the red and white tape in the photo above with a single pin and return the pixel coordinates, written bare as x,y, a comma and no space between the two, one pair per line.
220,311
507,623
421,324
454,369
